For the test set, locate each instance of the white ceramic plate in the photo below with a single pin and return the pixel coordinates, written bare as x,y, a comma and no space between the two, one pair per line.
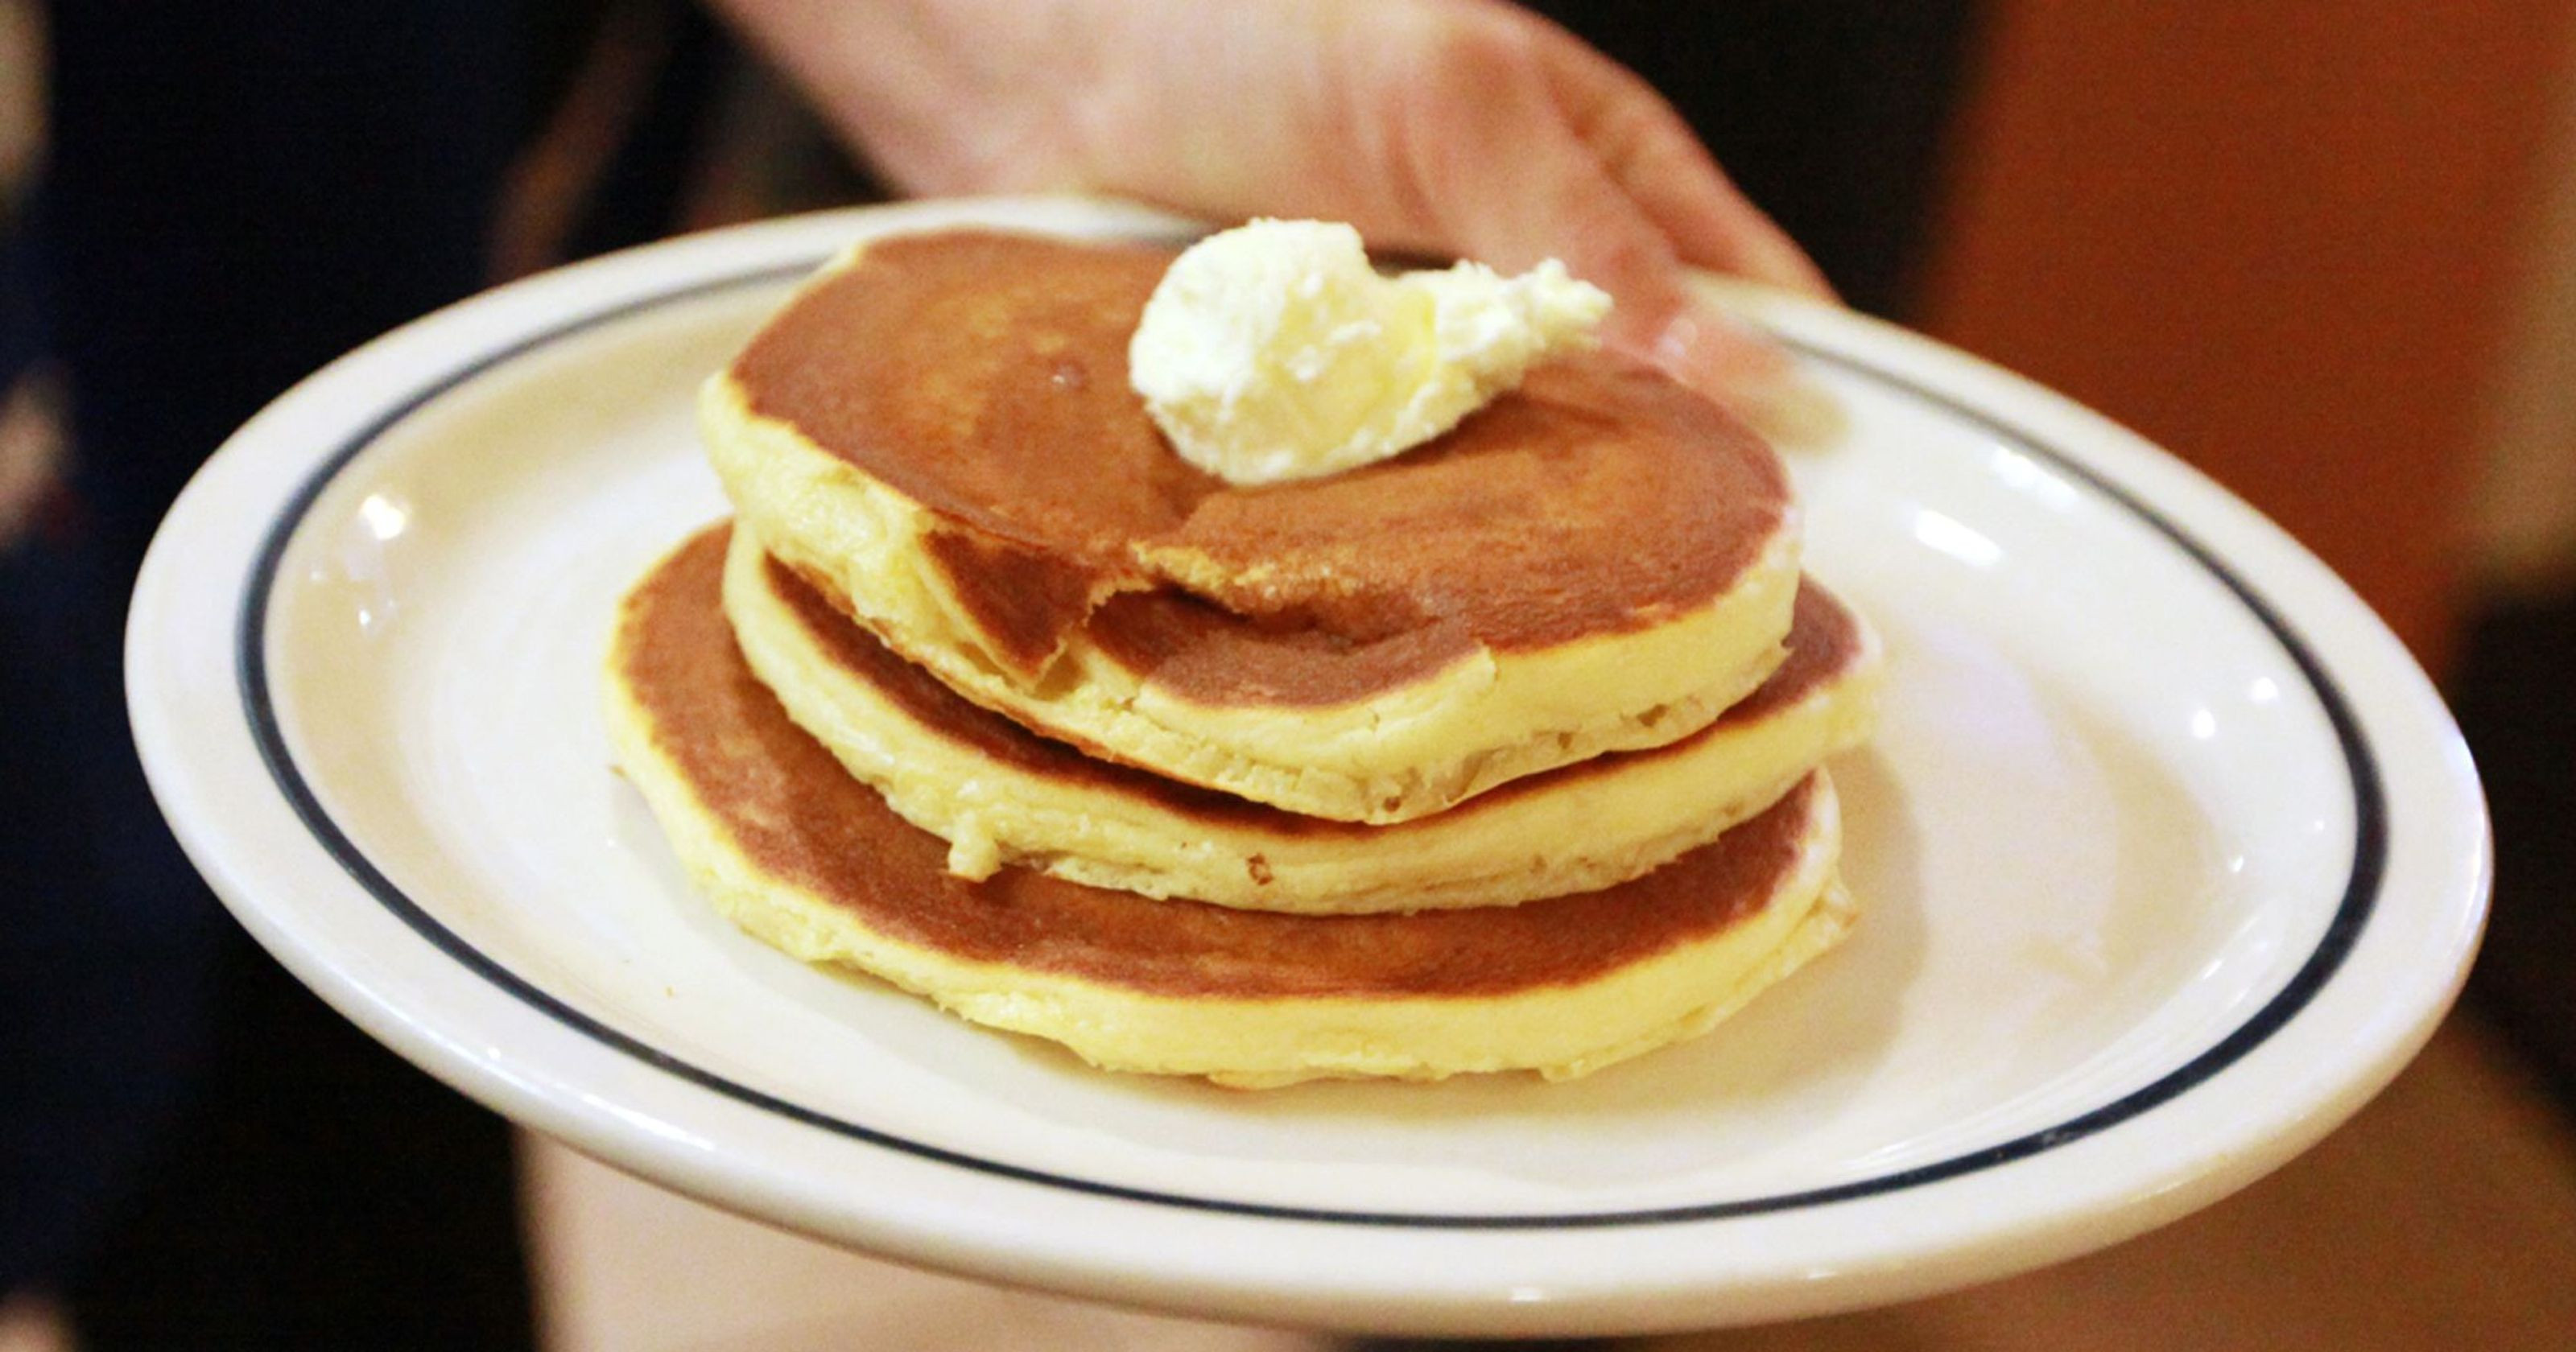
2170,859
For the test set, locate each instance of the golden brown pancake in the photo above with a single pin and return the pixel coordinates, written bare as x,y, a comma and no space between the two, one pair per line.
939,431
1001,795
809,859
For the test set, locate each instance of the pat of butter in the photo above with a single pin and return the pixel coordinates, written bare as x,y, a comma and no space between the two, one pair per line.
1274,351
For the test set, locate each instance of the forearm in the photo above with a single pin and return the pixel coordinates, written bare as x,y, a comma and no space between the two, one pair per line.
933,90
950,96
1145,98
1451,126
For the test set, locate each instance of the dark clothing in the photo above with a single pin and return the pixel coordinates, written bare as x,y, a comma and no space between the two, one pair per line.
1832,115
197,1152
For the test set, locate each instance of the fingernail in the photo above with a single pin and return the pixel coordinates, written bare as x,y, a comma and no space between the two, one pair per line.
1715,354
1749,374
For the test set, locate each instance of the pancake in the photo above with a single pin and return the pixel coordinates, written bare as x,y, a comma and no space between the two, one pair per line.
1000,795
938,431
810,860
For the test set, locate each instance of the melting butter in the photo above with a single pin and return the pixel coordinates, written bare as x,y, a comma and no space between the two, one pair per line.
1274,352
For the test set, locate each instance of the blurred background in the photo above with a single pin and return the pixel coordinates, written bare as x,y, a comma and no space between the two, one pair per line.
2325,252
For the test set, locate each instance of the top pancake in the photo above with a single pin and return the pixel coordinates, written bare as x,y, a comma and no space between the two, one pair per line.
941,431
985,377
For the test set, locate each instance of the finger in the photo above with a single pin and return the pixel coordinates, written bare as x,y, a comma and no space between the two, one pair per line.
1503,178
1514,183
1564,206
1646,147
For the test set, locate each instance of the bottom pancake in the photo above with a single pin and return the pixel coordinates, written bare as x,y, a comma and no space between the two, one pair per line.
798,853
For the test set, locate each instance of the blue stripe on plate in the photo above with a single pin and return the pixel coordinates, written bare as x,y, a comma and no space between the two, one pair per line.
2352,914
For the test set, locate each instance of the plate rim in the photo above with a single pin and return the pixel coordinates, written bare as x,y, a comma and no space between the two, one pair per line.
2351,917
2351,913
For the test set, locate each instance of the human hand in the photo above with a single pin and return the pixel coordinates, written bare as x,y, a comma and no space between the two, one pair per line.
1469,128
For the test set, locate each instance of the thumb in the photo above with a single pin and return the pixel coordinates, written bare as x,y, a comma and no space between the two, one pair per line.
1566,207
1606,239
1510,180
1658,163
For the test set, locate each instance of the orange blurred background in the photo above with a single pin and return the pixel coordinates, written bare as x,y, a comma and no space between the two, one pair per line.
2285,241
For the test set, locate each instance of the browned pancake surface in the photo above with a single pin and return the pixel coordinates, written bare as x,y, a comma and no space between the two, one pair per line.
1824,641
984,376
791,807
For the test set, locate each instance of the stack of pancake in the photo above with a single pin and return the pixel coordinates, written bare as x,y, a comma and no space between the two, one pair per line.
1503,754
